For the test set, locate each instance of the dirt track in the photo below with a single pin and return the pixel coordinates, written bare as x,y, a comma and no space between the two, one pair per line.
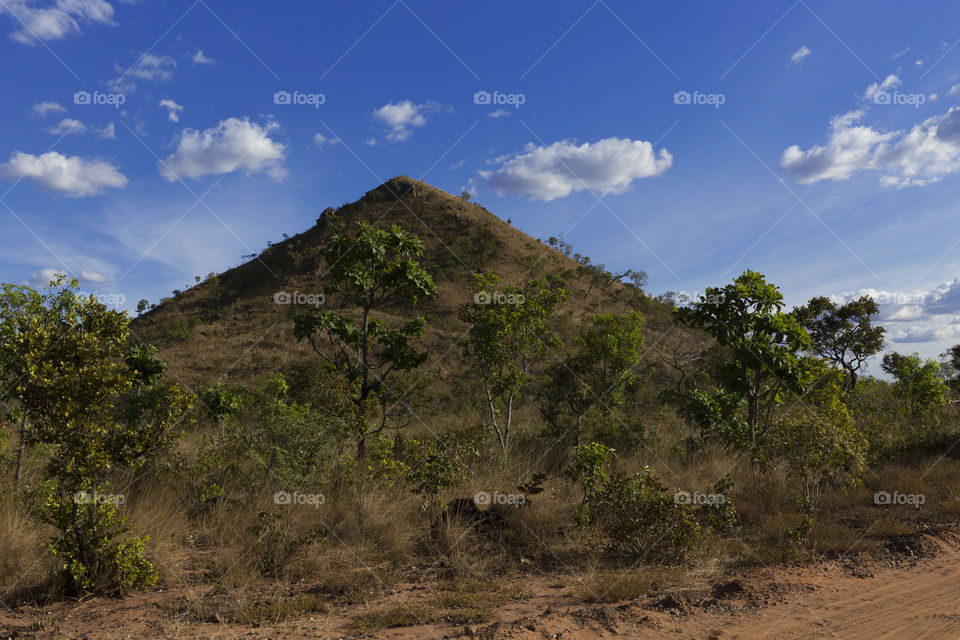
912,597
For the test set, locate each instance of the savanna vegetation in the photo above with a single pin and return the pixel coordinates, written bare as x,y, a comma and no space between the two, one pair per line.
598,430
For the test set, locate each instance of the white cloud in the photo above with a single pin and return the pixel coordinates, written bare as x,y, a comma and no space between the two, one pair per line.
403,117
800,54
199,58
890,82
67,126
147,67
370,142
92,276
919,156
109,132
954,90
41,109
499,113
55,21
234,144
173,109
43,277
72,176
321,140
555,171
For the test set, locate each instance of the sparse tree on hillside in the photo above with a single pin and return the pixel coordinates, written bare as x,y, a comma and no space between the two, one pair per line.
591,381
765,343
843,334
508,337
370,270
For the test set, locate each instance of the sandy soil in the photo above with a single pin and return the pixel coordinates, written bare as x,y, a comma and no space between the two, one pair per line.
915,593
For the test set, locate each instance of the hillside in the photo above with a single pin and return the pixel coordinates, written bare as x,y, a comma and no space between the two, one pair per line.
228,327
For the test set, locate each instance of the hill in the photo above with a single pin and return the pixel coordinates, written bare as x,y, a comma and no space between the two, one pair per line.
230,326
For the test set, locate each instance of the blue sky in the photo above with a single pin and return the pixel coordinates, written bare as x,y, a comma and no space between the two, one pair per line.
817,142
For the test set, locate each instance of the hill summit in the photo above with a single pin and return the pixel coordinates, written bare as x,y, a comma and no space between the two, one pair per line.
236,325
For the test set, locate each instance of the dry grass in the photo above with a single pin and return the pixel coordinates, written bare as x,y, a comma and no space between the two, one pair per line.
631,585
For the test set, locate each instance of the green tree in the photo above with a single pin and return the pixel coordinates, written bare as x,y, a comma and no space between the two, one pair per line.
508,337
764,343
918,384
591,381
843,334
373,269
94,414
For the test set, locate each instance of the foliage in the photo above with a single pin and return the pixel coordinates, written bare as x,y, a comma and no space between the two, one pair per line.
508,336
844,334
764,343
370,270
818,441
918,384
590,382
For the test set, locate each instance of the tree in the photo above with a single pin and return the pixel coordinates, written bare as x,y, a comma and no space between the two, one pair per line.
374,269
843,334
918,383
92,413
508,336
593,378
142,305
764,342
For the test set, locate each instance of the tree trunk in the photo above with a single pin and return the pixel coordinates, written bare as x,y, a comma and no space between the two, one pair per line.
20,452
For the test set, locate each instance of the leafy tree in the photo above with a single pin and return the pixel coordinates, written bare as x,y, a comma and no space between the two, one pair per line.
918,384
843,334
142,305
817,440
764,342
508,336
94,414
593,378
371,270
950,366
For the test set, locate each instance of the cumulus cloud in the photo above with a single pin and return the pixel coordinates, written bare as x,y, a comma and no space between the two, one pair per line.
555,171
403,117
72,176
147,67
109,132
67,126
41,109
199,58
800,54
235,144
890,82
320,140
918,315
44,277
918,156
56,20
499,113
173,109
